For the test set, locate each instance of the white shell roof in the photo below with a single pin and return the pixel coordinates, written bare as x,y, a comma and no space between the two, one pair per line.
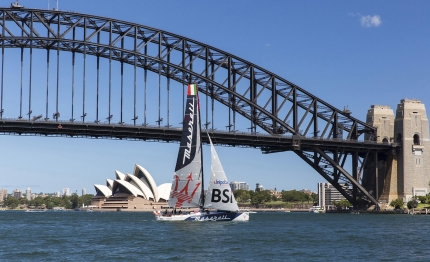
147,179
119,175
109,183
139,183
164,191
103,190
129,187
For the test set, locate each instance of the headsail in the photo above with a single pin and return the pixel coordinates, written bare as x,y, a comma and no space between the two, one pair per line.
187,180
219,195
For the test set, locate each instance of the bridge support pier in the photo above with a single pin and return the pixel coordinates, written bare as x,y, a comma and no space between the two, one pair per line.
405,173
390,185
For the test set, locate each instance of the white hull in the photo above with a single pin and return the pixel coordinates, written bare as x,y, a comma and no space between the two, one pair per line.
211,216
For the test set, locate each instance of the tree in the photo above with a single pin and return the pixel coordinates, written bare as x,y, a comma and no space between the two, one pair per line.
38,201
314,198
422,199
397,204
74,199
412,204
241,195
260,197
86,199
294,196
11,202
23,201
342,204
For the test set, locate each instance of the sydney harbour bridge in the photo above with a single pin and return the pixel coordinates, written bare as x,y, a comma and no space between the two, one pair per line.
77,75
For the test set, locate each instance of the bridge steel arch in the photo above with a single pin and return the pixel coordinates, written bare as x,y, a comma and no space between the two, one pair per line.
269,102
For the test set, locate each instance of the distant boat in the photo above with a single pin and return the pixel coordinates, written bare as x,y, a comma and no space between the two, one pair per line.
84,208
36,210
315,209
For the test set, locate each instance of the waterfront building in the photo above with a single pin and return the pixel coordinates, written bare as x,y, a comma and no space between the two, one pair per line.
84,191
259,187
131,191
239,186
66,191
327,193
57,194
274,192
3,194
306,191
28,193
17,193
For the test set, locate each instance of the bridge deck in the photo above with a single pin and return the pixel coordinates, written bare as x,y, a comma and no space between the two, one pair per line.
268,143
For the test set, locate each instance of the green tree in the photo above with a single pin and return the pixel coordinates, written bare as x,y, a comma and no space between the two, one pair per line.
23,201
37,201
422,199
11,202
74,199
86,199
397,204
295,196
57,202
66,202
412,204
260,197
241,195
314,198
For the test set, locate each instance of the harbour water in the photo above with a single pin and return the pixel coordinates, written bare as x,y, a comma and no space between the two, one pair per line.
132,236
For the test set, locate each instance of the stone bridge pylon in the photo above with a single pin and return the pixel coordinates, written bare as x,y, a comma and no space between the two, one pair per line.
406,171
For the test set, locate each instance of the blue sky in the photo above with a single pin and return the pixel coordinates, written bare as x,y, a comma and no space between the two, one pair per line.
348,53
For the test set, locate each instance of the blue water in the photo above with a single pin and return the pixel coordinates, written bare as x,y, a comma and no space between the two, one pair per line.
127,236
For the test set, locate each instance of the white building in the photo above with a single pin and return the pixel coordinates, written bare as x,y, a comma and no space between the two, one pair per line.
327,193
84,191
3,194
239,186
28,194
66,191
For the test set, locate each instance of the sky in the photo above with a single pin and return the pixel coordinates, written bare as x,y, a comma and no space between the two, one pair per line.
348,53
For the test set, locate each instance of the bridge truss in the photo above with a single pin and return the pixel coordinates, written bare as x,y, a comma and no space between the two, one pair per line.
280,115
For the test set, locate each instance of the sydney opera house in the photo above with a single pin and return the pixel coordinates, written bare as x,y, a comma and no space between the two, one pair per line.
136,191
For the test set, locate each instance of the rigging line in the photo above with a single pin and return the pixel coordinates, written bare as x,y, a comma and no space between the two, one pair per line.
134,73
20,96
73,75
122,78
85,72
2,71
145,72
110,73
31,72
98,76
58,81
47,83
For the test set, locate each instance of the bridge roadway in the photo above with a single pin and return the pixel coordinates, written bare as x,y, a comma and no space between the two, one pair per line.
266,142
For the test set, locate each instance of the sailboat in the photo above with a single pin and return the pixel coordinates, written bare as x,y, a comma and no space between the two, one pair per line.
187,189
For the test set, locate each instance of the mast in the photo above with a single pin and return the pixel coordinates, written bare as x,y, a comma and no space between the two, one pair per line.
202,196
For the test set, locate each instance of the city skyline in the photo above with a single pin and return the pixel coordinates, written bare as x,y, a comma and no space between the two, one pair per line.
349,54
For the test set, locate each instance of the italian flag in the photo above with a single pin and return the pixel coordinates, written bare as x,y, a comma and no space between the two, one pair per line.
192,89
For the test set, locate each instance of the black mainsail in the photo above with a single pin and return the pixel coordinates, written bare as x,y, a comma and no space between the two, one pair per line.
187,184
